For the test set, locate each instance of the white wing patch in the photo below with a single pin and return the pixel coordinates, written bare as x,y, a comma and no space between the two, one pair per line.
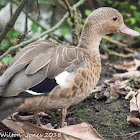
64,79
33,92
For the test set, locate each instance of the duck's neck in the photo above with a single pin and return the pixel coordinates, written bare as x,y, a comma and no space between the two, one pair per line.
90,38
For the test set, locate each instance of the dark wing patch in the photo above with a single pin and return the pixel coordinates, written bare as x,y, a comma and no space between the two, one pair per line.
45,86
21,82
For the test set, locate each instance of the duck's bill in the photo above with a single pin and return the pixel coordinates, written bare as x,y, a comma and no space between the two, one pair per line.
125,30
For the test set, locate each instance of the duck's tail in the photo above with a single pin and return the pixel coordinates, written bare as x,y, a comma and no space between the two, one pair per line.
9,105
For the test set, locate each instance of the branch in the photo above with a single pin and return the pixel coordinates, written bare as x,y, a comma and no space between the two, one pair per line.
13,19
44,33
68,8
59,38
114,41
30,16
52,35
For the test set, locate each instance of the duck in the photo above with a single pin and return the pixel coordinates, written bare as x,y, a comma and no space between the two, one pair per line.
45,75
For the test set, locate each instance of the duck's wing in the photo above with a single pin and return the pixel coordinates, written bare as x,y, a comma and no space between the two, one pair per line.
38,62
22,59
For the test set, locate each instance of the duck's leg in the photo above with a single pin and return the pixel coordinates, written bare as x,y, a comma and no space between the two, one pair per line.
64,113
37,119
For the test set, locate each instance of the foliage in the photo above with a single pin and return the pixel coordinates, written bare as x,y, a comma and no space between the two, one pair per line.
4,2
64,31
8,41
48,2
129,9
7,59
87,12
70,23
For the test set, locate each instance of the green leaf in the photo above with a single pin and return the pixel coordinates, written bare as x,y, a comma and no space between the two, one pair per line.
83,20
124,5
133,7
137,29
47,2
70,23
7,59
42,30
87,12
34,28
137,14
110,1
4,2
115,4
4,45
128,15
133,21
12,34
64,31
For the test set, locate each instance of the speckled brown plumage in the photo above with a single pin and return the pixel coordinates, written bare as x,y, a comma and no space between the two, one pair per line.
83,82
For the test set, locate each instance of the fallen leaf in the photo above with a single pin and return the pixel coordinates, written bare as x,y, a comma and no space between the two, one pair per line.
83,131
128,74
128,66
137,62
134,115
114,85
111,89
130,94
138,100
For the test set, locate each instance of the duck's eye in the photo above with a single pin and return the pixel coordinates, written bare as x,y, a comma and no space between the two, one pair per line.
114,18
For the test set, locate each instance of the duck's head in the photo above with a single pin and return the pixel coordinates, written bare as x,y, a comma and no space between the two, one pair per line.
109,20
100,22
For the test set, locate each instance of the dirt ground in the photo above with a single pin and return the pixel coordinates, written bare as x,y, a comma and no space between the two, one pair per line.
109,119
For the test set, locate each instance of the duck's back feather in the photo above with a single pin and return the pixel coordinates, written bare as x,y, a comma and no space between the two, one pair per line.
36,66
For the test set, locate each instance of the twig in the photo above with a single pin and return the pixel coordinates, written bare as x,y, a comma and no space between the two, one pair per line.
26,19
60,38
11,9
13,19
35,38
68,8
124,135
40,25
131,134
105,37
114,41
116,53
120,54
30,16
44,33
37,16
